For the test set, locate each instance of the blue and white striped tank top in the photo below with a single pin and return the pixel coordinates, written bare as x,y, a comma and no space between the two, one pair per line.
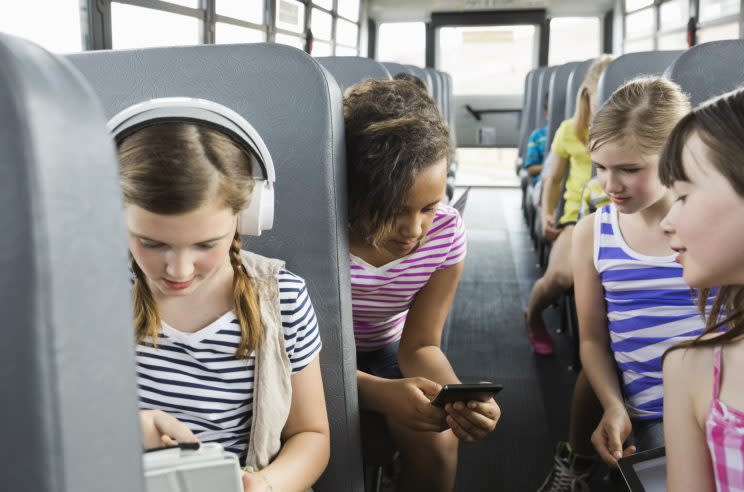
649,309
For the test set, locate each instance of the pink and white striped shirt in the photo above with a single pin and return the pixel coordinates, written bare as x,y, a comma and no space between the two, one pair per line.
381,296
724,428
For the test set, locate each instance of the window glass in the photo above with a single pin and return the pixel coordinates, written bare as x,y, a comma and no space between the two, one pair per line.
346,51
321,24
290,15
138,27
230,33
349,9
573,38
634,45
55,27
717,33
247,10
194,4
402,42
640,23
487,60
631,5
676,41
326,4
713,9
346,32
322,49
295,41
674,14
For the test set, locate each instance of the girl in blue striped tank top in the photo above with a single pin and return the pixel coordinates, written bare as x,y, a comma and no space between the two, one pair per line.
631,301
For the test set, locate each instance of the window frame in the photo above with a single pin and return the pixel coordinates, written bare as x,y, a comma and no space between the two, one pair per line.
96,28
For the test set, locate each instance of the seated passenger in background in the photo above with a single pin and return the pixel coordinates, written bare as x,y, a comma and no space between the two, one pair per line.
631,300
407,254
570,156
203,309
593,197
704,378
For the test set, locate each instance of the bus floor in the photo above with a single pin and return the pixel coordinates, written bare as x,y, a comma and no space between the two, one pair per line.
486,340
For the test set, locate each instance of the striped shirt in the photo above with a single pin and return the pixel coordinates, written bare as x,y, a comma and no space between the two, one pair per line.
196,378
724,431
381,296
649,309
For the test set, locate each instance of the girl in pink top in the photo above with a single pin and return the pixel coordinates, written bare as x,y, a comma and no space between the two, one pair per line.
704,378
407,253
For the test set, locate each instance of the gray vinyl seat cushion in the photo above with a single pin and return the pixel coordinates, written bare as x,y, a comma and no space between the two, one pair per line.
297,109
351,70
67,364
575,79
626,67
527,118
709,69
557,98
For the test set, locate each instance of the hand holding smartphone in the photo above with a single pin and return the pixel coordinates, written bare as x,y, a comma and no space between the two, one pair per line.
465,392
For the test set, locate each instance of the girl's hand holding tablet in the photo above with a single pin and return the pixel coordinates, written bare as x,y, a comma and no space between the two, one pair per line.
408,401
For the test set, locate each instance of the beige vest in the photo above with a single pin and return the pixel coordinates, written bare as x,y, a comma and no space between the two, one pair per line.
272,388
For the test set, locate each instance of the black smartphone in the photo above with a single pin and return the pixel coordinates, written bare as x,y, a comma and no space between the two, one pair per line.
465,392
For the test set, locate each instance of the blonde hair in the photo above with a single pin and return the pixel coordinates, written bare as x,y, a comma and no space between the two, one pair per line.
641,113
583,113
174,168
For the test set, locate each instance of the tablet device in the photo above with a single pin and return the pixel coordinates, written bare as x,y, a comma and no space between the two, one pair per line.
465,392
645,471
187,467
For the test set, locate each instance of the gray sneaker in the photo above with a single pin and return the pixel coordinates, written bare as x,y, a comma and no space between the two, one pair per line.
565,475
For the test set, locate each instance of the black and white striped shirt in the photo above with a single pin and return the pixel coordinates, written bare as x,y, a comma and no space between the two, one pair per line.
196,378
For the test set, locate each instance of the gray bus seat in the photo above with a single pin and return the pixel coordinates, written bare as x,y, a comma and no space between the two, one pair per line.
297,109
709,69
543,83
575,79
527,117
626,67
68,385
394,68
351,70
557,98
436,88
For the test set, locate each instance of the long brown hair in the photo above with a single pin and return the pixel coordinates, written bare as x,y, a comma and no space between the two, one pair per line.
719,123
393,131
583,113
641,113
174,168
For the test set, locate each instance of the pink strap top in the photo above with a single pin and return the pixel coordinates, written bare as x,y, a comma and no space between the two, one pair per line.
724,429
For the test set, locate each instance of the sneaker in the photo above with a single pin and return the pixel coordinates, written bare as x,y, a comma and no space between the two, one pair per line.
570,472
541,342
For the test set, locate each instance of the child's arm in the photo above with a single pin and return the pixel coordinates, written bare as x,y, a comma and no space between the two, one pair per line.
420,353
306,442
688,460
596,356
551,190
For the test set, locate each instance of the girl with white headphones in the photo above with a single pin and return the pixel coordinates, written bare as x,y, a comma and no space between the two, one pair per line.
227,341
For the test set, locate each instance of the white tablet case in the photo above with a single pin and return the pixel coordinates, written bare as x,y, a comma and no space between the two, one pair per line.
208,468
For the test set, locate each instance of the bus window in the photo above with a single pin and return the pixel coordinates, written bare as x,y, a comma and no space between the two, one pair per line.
139,27
402,42
56,27
573,38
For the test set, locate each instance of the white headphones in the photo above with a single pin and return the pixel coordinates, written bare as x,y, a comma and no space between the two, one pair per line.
258,216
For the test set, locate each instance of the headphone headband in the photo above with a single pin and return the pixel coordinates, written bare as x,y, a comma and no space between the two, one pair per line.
259,214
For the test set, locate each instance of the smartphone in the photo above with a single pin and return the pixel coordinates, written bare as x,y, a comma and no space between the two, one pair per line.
465,392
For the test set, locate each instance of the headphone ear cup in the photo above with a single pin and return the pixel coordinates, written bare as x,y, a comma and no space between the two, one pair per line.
258,216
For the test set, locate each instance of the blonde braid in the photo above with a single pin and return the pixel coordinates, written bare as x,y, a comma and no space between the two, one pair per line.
246,303
145,309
